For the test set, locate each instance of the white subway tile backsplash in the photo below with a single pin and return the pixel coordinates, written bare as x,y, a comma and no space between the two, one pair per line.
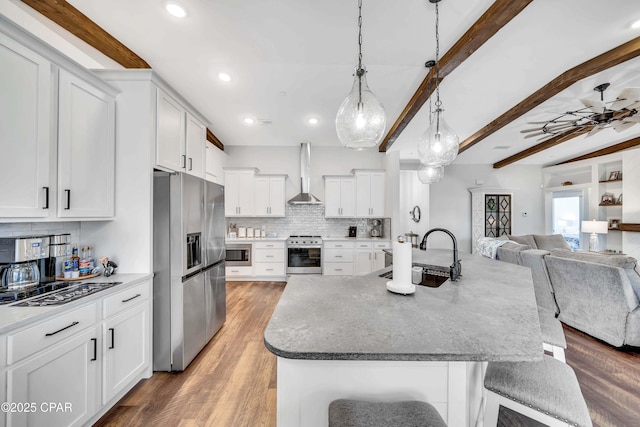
310,220
16,229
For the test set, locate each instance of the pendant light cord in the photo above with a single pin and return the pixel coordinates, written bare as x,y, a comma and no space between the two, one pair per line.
438,102
360,70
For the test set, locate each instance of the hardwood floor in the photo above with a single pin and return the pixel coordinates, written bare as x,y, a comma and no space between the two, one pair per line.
232,383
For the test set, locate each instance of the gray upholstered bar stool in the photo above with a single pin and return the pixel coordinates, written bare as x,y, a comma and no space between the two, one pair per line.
547,391
357,413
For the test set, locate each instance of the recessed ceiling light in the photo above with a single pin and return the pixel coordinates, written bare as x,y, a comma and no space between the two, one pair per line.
312,121
176,9
249,120
224,77
636,24
501,147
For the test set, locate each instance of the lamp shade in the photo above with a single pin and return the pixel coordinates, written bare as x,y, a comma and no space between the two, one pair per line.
438,145
430,174
598,227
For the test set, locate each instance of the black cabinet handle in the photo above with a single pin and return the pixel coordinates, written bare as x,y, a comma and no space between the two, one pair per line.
95,349
46,198
190,163
113,340
184,161
133,297
60,330
68,193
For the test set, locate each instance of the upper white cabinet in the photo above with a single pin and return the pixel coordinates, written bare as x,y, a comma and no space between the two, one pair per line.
215,160
270,195
370,193
339,197
25,103
181,138
86,149
170,144
239,192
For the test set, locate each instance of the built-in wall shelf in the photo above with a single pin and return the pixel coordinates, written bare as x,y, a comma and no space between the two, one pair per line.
625,226
610,204
610,180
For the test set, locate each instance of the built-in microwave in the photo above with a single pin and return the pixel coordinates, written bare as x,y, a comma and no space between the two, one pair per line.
238,254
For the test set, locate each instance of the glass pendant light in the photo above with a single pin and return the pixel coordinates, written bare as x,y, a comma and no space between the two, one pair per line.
430,174
438,144
361,119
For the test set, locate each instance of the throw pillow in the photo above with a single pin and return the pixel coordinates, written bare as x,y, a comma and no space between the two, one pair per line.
551,242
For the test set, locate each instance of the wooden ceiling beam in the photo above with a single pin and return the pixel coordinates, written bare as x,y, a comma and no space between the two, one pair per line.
77,23
551,142
607,150
214,140
595,65
496,17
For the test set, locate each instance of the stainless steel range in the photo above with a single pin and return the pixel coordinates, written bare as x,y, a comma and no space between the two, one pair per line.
304,255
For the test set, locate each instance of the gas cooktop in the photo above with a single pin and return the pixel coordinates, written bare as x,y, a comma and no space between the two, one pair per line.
55,293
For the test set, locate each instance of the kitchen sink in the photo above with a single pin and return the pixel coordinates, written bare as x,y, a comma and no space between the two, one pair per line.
433,276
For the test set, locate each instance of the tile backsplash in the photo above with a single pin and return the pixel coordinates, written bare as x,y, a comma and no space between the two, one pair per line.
15,229
310,220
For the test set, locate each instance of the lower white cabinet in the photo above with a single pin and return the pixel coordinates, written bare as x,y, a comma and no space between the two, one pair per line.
356,258
73,364
62,382
124,348
370,256
337,258
269,259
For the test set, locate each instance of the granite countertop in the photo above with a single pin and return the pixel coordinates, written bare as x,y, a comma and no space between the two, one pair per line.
14,317
489,314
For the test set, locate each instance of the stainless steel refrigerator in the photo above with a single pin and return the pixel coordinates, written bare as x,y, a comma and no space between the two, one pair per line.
189,297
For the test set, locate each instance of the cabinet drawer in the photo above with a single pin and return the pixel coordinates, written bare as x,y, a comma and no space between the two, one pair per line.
238,271
269,255
125,299
338,255
337,269
364,245
44,334
382,245
269,269
269,245
338,245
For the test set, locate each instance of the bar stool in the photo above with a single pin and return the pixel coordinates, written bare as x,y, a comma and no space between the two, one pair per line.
547,391
356,413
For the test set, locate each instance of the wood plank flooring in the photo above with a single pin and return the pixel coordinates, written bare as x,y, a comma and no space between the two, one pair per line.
232,383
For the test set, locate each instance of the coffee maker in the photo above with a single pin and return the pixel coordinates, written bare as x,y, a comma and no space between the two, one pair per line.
19,259
59,251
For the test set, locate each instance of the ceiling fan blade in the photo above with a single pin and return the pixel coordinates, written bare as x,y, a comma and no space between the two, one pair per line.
531,135
550,121
619,126
634,106
635,118
531,130
627,97
593,131
594,105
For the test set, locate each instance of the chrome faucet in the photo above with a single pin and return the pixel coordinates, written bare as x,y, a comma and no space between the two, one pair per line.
455,270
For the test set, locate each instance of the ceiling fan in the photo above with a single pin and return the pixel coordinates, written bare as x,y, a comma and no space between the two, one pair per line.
620,114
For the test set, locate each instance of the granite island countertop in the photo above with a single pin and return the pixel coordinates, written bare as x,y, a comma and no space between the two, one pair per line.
490,314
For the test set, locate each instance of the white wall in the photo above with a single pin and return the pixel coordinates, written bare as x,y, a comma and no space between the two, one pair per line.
286,160
450,200
412,193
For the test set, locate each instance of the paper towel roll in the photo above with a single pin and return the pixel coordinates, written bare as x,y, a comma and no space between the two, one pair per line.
402,264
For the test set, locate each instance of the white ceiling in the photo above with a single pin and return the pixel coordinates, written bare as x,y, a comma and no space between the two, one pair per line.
293,59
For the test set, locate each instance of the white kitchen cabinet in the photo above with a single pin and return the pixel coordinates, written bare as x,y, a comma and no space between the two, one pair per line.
86,149
66,374
214,163
269,259
270,198
170,133
369,256
25,103
339,197
379,255
239,192
370,194
196,140
338,258
124,347
180,137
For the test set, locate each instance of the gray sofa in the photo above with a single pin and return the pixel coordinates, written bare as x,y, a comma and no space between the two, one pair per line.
597,294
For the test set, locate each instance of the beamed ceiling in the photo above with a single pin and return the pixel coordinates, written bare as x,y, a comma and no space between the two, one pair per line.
503,64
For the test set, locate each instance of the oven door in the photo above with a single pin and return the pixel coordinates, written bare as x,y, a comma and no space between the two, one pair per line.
238,255
304,260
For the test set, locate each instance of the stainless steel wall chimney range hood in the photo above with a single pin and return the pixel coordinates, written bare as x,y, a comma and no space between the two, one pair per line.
305,197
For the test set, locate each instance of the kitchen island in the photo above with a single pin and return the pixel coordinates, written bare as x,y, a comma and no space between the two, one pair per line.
348,337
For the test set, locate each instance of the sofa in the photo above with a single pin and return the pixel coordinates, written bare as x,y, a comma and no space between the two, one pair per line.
594,293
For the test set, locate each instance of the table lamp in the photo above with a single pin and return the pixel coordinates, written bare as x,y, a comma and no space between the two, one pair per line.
594,227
